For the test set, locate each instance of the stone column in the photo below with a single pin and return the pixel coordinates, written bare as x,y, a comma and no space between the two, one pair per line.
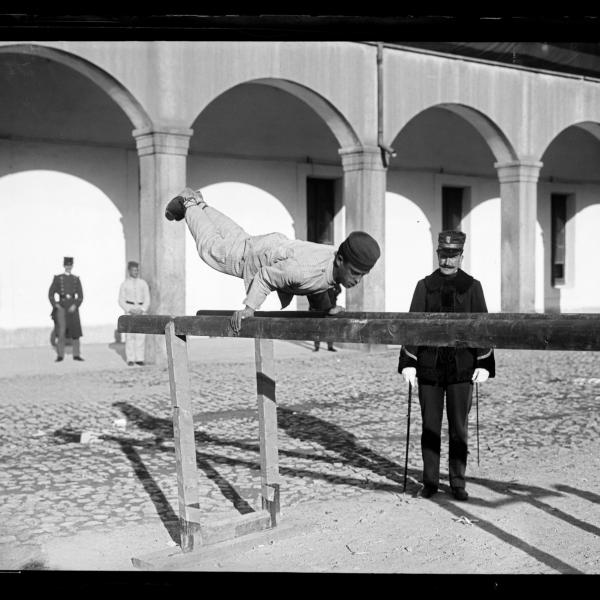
364,199
163,156
518,193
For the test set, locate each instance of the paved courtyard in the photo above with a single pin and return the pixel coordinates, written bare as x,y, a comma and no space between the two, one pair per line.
342,428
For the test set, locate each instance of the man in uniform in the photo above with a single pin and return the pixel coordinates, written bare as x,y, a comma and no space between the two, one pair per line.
271,262
134,299
66,295
446,370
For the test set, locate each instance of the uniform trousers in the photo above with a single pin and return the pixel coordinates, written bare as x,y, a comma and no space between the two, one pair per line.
61,333
134,347
220,241
459,398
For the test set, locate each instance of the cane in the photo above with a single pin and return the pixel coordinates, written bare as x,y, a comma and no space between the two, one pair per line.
407,434
477,410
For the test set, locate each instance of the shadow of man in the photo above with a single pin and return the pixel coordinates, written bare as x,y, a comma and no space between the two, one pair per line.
303,426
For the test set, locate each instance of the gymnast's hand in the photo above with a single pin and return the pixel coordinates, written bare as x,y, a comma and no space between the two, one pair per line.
238,315
336,309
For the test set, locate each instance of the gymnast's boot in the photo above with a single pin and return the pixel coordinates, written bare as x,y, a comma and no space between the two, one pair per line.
176,208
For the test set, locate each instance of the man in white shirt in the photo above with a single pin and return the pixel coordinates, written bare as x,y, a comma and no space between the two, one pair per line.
134,299
271,262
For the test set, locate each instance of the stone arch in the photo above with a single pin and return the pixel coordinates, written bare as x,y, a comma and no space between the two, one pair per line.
121,96
499,144
591,127
333,118
569,170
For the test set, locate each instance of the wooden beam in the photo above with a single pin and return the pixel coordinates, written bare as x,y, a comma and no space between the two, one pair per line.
183,437
267,427
496,330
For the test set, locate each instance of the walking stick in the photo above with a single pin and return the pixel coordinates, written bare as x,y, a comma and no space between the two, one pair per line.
477,407
407,434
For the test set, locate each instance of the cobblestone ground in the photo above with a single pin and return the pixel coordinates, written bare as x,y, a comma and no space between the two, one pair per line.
342,428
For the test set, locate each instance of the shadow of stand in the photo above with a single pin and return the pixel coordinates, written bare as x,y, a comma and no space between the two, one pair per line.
163,429
128,445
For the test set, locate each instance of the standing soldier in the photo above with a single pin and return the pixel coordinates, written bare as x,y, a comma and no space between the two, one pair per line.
66,295
134,299
446,370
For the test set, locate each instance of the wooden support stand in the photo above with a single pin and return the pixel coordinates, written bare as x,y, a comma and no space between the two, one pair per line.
195,530
477,330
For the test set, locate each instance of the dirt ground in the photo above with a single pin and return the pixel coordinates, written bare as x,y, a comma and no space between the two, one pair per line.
534,508
525,521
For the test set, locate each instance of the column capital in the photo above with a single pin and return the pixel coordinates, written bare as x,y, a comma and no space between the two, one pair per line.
519,170
359,158
163,140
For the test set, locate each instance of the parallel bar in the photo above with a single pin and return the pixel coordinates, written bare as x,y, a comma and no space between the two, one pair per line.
293,314
183,434
149,323
267,427
496,330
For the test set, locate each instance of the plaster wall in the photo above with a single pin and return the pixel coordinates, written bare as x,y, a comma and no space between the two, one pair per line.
527,107
175,81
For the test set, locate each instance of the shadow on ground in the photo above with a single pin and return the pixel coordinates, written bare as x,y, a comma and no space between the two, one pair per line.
331,437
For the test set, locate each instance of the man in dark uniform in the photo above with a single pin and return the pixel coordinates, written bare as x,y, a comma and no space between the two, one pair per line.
66,295
446,370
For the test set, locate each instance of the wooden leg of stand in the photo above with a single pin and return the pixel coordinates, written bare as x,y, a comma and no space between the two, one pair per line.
267,424
183,432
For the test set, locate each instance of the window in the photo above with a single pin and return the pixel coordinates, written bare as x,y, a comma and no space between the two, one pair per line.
320,198
452,207
558,219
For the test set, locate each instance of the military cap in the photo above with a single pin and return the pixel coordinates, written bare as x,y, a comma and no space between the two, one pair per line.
68,261
132,263
451,242
361,250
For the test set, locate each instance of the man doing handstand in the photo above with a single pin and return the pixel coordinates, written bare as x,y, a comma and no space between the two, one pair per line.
271,262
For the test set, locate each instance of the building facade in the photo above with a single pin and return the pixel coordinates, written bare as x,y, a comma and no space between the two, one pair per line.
96,137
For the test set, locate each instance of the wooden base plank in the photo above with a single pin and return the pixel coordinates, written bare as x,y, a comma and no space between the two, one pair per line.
173,559
218,531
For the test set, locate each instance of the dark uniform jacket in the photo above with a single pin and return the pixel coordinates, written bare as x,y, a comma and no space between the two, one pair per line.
441,365
323,301
69,291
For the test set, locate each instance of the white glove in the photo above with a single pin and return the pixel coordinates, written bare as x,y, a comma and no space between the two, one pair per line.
480,375
410,375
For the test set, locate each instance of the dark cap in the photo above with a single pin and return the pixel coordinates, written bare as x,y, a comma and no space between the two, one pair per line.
451,242
68,261
361,250
132,263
